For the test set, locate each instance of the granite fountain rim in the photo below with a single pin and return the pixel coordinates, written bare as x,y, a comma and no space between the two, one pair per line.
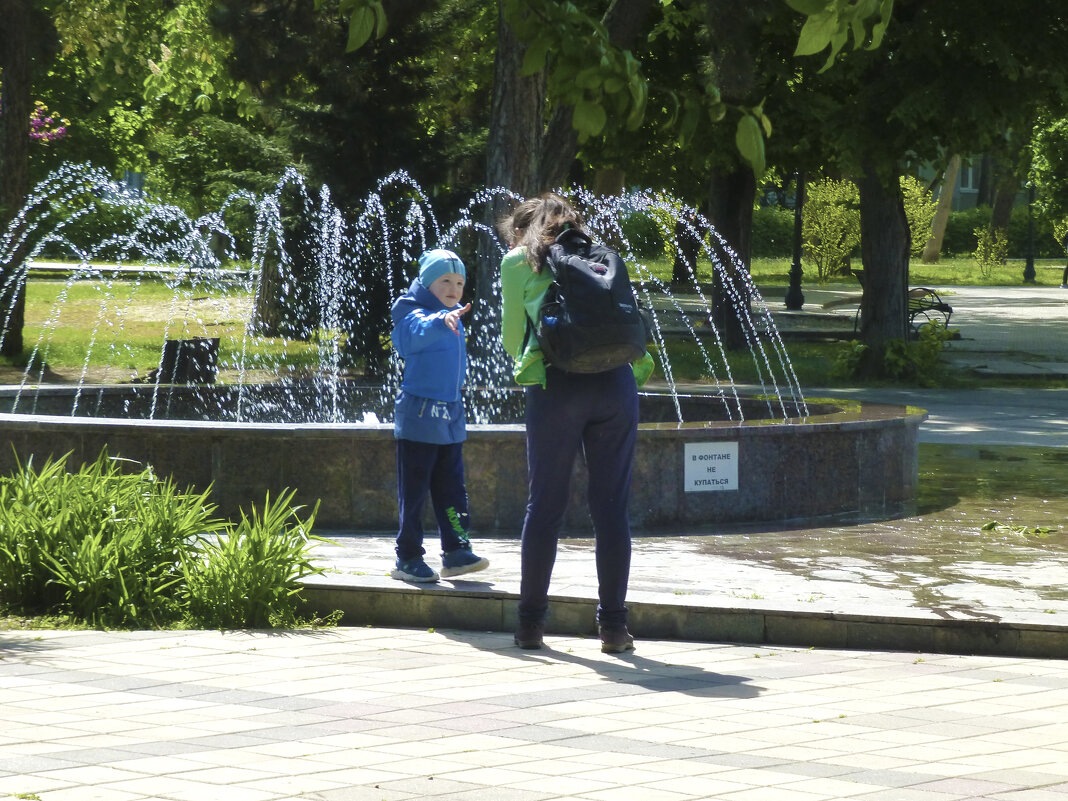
824,414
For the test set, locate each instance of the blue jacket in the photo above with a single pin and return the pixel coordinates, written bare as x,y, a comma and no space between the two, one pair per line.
430,406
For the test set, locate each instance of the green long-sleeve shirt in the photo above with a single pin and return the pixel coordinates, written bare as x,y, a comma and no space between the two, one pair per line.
522,291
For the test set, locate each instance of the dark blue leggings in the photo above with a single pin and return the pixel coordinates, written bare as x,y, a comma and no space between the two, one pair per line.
438,471
597,414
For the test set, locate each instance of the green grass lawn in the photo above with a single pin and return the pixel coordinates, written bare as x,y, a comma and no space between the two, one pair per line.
949,271
124,323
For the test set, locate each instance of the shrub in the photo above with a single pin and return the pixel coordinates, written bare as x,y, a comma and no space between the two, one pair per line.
98,544
960,235
130,550
830,225
1046,243
848,357
918,361
991,248
959,238
249,574
644,234
920,208
773,232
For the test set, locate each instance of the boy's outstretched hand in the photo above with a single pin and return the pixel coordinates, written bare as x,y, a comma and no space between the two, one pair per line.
452,319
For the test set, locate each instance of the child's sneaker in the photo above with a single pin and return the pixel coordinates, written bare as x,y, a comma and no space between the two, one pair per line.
413,570
460,561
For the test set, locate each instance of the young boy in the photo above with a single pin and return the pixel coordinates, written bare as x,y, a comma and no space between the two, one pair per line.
429,422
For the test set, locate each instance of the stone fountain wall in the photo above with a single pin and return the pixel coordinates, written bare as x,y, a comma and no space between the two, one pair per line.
850,458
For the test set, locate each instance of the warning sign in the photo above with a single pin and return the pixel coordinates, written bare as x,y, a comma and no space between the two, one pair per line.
710,466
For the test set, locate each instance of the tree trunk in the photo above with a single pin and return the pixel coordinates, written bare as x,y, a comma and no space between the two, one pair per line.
1006,187
687,250
945,206
731,212
884,247
624,21
16,98
513,150
984,195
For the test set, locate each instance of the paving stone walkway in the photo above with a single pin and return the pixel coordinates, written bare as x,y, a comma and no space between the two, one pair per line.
391,714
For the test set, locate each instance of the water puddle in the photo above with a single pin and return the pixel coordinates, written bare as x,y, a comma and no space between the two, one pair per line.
989,532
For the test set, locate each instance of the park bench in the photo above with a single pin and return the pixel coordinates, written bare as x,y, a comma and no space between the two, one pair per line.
924,306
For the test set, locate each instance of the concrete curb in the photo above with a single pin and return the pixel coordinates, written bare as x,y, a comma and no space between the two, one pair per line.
371,601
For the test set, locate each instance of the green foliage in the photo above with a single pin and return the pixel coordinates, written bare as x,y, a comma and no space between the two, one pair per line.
1047,244
192,67
991,248
920,207
919,361
960,236
829,24
1060,232
121,549
644,234
586,71
960,229
773,232
998,527
830,225
848,358
752,127
214,158
249,575
98,544
1049,149
366,17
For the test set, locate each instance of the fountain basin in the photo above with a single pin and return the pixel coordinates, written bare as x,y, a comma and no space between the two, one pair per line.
843,458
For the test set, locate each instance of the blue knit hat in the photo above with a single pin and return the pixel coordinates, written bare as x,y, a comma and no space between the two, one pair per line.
435,263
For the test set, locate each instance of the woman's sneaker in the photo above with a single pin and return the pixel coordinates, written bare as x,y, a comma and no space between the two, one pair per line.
415,570
460,561
529,635
615,639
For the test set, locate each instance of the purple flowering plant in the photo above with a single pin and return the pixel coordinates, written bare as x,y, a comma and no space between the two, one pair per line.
46,126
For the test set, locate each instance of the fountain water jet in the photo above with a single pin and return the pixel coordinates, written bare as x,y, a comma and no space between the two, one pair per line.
313,298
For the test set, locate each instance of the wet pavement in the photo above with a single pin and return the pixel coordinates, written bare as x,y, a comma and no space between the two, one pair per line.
986,542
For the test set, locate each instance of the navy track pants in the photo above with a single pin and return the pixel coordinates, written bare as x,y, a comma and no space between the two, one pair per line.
424,469
596,414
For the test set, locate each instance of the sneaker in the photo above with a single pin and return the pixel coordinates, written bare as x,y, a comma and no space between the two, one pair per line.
529,635
413,570
615,639
460,561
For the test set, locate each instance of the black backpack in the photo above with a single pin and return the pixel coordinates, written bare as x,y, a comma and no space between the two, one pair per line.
589,321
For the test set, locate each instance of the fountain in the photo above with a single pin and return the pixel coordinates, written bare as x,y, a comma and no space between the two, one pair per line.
290,300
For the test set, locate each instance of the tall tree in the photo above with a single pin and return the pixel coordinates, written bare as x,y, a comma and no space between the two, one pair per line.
948,78
26,39
945,206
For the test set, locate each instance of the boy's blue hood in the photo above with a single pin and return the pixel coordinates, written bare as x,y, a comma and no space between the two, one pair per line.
417,297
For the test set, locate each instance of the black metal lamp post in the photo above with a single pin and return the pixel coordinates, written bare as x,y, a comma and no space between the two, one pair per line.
1064,278
795,298
1029,266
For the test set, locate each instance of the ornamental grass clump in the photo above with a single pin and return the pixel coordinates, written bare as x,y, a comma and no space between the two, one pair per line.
98,544
248,575
114,548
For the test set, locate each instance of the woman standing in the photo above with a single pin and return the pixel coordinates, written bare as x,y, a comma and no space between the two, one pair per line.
566,412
